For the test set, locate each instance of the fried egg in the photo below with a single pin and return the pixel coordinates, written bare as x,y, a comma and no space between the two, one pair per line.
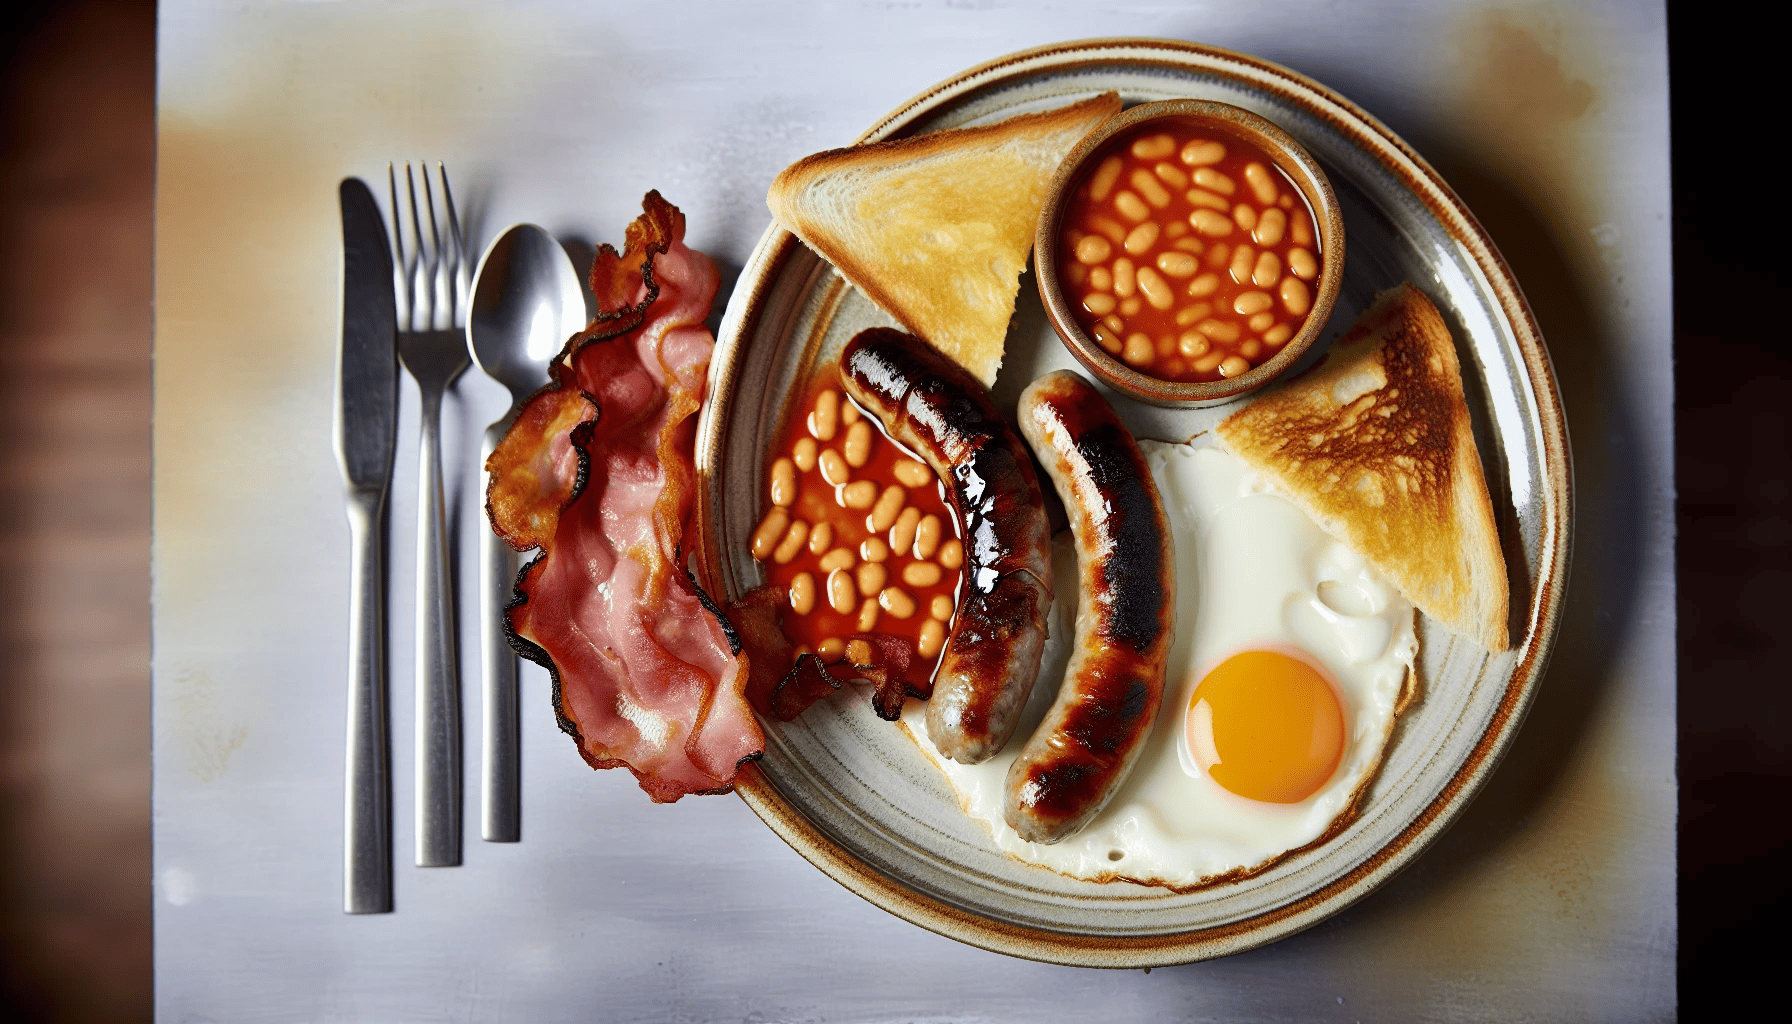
1291,662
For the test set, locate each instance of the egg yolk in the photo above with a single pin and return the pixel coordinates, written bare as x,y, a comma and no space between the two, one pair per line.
1266,726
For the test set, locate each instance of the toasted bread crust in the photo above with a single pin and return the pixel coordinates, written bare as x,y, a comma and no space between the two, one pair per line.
1375,445
936,229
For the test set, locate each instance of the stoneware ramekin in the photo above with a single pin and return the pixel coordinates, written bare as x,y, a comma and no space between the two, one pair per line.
1223,119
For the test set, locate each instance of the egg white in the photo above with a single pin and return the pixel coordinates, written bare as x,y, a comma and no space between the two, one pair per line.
1253,572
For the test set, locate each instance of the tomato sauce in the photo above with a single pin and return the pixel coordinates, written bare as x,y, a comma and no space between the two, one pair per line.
850,566
1189,255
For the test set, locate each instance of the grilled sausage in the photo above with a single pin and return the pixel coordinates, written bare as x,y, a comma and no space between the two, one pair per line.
945,415
1126,610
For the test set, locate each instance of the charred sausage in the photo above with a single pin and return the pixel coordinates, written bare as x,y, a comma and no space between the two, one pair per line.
1126,608
945,415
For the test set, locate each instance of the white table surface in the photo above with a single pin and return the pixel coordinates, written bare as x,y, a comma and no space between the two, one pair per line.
1553,896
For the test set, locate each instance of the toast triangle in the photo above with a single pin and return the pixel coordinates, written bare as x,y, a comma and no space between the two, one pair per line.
1374,443
936,228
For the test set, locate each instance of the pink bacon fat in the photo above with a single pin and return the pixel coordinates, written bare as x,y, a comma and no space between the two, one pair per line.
598,473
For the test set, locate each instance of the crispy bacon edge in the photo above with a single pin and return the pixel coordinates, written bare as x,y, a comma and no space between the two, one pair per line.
547,447
782,684
557,419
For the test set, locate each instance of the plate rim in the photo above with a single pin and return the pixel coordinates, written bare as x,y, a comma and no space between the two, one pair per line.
776,246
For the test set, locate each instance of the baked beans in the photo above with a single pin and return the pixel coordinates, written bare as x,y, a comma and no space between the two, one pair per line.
794,536
910,473
857,531
927,536
834,469
802,593
783,482
824,419
952,555
871,577
932,638
843,595
895,601
857,446
1192,254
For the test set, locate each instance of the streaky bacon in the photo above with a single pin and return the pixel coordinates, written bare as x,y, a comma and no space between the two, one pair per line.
891,666
599,473
783,684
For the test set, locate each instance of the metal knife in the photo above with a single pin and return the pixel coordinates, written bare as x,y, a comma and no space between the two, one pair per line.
366,434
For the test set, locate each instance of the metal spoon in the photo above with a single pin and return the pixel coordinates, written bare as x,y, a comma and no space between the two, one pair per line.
526,303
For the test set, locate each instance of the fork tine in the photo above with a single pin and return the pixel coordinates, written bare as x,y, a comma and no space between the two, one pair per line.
458,254
441,314
422,269
434,286
430,272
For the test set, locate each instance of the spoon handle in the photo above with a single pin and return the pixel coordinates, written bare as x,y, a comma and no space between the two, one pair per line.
500,783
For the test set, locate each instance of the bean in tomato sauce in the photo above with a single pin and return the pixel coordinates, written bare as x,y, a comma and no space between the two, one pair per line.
1190,255
858,532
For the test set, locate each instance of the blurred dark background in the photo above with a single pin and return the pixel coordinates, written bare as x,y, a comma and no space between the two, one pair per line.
1733,374
77,124
77,127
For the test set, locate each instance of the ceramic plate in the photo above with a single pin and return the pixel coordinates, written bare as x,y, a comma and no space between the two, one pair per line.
853,794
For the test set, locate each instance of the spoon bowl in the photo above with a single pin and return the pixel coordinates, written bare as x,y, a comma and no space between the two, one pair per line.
526,302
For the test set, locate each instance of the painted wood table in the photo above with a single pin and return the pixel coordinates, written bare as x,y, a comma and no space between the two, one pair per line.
1551,897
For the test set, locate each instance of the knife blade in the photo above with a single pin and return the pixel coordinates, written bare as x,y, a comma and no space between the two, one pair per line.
366,435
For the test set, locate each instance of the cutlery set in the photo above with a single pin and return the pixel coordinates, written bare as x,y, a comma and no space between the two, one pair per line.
407,299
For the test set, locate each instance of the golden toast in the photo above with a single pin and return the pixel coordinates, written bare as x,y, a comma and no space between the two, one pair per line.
1374,443
936,228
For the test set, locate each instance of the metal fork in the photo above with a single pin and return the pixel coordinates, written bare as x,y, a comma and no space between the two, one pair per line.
430,276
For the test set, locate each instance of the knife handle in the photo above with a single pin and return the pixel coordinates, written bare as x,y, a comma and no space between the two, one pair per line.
438,679
367,839
501,791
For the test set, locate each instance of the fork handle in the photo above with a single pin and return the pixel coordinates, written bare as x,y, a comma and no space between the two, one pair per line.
501,773
367,825
438,682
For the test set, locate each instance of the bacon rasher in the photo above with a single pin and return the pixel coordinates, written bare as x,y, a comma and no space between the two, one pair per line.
598,473
782,684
